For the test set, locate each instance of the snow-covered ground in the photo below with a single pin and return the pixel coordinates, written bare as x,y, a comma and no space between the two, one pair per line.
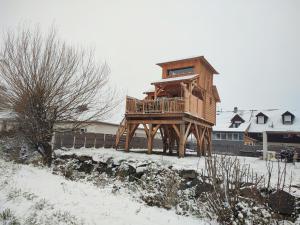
194,163
36,196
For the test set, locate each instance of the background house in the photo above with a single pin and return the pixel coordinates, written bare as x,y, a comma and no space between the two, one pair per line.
238,130
90,134
282,127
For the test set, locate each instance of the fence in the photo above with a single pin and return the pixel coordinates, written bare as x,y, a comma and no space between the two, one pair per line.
238,148
92,140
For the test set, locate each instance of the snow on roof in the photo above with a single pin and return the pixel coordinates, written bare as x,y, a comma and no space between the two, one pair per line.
149,90
242,128
224,121
174,79
273,124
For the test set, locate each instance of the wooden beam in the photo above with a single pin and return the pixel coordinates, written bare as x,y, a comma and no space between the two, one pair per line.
150,139
176,130
167,122
181,141
198,140
203,124
145,129
127,142
155,129
187,132
161,133
202,140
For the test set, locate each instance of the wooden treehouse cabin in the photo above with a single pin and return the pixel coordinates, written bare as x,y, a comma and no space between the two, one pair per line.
183,102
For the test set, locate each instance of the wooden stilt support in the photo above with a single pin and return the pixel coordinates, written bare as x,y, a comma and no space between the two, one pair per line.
209,139
130,132
197,135
181,141
127,142
150,139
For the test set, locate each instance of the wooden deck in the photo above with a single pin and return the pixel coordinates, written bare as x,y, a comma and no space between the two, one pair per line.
164,105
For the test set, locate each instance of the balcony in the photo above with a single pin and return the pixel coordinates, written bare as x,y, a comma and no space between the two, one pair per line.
162,105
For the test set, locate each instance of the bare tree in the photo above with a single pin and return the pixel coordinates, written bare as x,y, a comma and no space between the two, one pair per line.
47,81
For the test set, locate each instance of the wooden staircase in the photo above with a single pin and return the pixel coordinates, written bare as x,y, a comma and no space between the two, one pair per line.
121,134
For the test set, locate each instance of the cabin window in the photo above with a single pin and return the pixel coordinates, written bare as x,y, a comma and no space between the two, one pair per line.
186,70
235,136
215,136
236,124
260,119
223,136
287,119
241,137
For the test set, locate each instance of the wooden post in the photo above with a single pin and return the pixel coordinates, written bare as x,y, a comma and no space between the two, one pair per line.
209,143
198,140
127,138
181,141
150,139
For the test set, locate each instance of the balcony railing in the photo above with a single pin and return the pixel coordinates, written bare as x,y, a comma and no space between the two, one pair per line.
163,105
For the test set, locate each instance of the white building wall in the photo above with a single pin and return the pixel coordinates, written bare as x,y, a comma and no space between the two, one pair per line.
98,127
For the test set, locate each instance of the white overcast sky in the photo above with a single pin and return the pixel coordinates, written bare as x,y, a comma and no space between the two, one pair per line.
255,45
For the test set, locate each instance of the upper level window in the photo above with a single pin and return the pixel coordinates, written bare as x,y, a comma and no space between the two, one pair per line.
236,124
186,70
260,119
287,119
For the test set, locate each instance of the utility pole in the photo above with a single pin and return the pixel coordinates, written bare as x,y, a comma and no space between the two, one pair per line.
265,145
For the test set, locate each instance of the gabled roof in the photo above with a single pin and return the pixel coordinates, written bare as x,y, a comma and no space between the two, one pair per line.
261,114
224,121
200,58
237,116
288,113
176,79
273,124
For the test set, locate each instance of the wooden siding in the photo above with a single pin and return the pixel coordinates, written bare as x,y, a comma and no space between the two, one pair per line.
206,108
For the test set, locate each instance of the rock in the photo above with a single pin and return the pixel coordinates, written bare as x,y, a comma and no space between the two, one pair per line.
84,158
185,184
58,161
188,174
140,171
252,193
67,156
101,167
125,170
86,166
203,187
282,202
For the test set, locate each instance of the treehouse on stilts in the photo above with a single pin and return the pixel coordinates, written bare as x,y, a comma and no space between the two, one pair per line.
183,102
